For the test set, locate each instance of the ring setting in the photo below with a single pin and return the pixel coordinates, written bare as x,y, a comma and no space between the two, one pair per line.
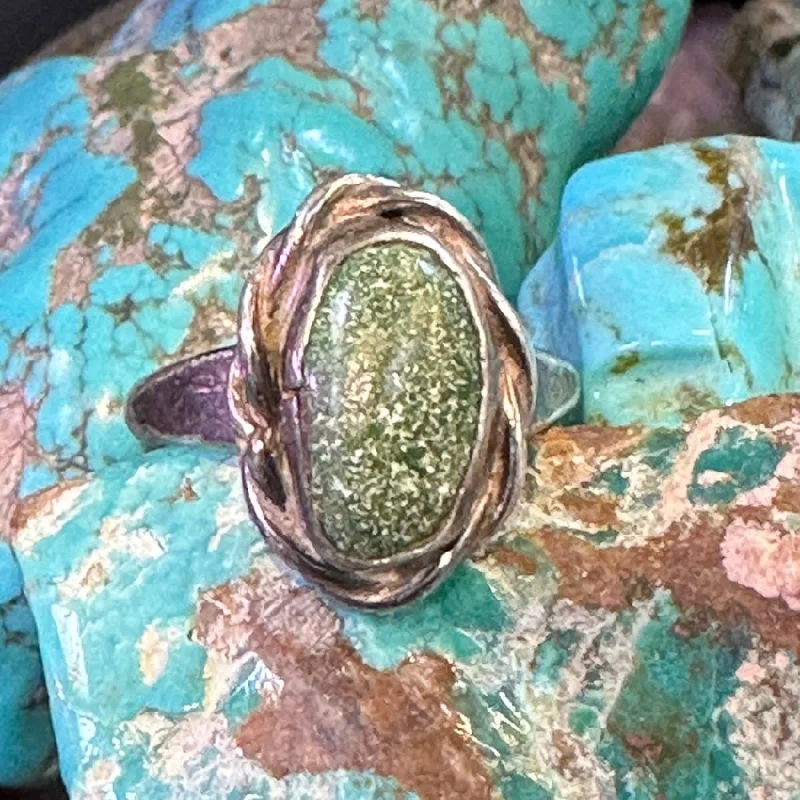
382,390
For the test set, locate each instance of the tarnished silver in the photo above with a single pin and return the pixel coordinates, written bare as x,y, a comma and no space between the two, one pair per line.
268,398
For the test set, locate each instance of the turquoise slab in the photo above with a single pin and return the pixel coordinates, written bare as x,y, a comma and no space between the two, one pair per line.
672,280
634,634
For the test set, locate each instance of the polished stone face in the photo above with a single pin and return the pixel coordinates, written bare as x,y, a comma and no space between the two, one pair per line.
675,287
393,366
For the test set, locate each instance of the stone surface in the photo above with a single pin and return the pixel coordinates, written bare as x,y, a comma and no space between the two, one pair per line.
673,279
27,745
132,206
696,98
26,736
492,108
394,366
633,634
763,57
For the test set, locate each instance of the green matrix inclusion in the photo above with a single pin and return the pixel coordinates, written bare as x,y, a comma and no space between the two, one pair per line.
393,367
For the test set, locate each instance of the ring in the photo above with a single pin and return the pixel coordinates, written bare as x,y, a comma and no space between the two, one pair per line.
381,392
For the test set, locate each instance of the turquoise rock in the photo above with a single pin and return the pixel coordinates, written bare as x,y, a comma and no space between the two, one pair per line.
672,279
493,110
634,634
394,362
136,205
26,736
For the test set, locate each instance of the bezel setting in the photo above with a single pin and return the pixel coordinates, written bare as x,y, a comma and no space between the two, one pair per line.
269,396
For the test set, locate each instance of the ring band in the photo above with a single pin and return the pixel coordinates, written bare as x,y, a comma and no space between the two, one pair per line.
381,391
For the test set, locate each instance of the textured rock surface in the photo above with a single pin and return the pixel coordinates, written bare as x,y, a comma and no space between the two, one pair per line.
672,281
764,59
132,204
26,738
635,634
492,108
696,98
27,744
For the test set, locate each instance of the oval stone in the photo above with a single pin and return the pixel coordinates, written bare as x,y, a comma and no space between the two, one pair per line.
393,368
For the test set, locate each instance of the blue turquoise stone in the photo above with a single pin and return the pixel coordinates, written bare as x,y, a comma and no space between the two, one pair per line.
672,279
491,109
117,571
26,736
129,251
113,589
231,679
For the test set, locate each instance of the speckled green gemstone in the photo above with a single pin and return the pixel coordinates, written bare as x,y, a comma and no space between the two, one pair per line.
393,366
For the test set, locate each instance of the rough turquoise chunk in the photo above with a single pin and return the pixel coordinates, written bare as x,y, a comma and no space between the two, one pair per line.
492,109
395,373
118,575
27,746
115,644
183,660
128,250
672,280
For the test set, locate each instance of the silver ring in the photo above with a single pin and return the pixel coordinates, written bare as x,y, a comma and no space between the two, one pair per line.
381,392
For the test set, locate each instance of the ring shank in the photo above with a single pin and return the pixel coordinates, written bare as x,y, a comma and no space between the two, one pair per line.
184,401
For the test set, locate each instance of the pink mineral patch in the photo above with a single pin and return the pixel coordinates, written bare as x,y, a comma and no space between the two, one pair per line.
765,558
750,672
16,429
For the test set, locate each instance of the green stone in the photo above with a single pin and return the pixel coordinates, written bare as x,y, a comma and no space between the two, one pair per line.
748,463
393,367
